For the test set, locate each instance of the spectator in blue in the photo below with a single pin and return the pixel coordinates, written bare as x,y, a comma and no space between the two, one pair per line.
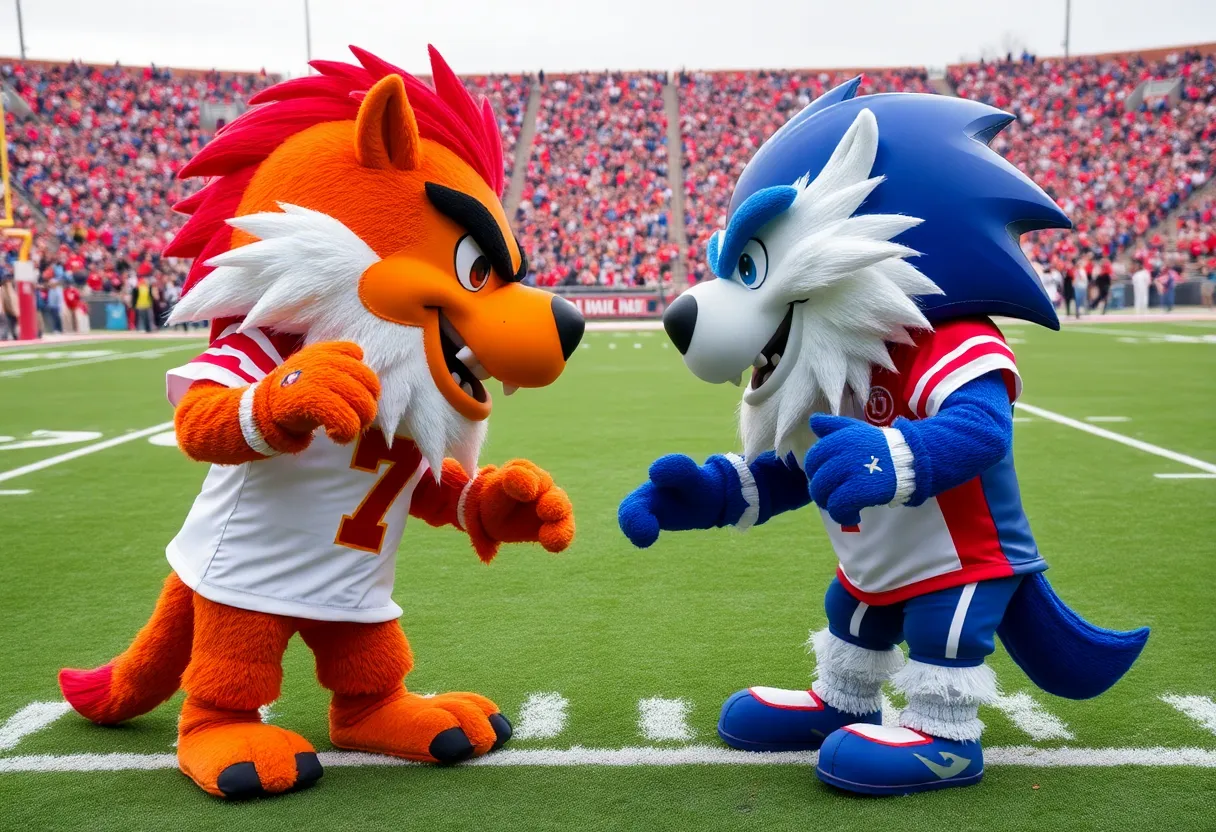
1165,285
54,306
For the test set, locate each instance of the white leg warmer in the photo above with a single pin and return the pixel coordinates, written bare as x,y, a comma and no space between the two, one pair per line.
848,677
944,701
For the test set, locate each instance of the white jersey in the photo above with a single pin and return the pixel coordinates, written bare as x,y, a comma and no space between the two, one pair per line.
312,535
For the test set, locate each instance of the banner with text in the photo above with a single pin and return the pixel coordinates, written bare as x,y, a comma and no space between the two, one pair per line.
617,306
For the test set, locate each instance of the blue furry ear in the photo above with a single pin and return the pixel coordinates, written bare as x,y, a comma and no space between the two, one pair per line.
835,95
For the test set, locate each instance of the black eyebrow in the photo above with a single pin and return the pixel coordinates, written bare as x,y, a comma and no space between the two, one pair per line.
475,218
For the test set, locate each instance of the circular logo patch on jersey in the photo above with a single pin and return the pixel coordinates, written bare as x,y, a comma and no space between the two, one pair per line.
291,378
880,408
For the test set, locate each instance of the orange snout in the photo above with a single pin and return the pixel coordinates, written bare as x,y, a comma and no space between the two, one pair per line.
517,334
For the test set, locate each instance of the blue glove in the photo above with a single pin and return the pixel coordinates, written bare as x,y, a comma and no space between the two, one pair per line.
849,468
682,495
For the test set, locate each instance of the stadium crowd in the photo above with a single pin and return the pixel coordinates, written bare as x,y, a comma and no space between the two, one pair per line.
595,205
1115,171
725,116
95,164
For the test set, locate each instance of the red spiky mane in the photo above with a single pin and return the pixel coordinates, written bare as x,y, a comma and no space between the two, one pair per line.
446,114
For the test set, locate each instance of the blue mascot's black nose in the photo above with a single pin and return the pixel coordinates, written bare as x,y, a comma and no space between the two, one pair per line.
570,324
680,320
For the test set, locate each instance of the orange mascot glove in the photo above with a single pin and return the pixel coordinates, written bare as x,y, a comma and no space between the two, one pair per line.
517,503
323,385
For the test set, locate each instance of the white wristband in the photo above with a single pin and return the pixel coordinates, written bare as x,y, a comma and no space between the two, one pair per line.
905,472
249,425
749,490
464,496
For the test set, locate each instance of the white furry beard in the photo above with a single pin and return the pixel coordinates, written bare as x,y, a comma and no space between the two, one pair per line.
301,275
842,333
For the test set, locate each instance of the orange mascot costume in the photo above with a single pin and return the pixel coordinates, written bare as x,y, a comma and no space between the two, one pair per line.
353,255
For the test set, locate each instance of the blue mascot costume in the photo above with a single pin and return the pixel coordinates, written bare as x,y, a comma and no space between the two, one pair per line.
867,243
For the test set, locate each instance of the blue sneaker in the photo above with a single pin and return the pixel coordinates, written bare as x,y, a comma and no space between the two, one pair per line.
878,759
772,719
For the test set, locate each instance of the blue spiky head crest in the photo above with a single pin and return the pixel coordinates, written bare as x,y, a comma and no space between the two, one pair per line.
933,152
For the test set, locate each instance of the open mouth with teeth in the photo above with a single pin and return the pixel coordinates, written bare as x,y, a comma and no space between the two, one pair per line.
767,361
463,365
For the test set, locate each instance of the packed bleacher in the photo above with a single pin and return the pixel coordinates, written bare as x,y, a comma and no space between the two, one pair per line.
95,161
725,116
1116,173
595,205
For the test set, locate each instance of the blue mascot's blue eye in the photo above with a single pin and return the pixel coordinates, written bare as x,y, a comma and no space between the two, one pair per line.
747,269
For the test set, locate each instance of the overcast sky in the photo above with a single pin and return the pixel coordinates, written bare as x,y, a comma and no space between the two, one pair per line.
493,35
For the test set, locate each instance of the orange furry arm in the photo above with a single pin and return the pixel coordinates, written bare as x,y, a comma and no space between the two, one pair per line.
208,426
438,503
324,385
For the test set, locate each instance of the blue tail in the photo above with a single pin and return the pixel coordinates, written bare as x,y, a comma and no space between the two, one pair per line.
1059,650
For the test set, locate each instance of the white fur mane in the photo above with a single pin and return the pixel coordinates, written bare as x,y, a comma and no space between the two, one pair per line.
853,288
301,275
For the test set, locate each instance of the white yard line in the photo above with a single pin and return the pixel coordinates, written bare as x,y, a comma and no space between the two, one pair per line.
1185,476
1199,708
1032,718
689,755
1097,419
156,353
664,719
541,717
1165,453
33,717
14,492
85,451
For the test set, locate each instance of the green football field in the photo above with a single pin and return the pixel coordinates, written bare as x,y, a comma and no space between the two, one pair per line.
613,662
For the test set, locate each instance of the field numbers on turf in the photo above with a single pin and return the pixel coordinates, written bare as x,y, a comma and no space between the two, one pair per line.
47,439
1199,708
31,718
1032,718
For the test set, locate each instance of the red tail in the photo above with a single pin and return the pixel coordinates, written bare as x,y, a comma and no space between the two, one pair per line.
147,673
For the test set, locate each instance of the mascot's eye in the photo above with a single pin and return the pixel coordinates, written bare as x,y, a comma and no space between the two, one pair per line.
472,266
752,267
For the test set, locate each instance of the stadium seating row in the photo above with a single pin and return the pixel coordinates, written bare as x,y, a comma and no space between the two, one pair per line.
96,160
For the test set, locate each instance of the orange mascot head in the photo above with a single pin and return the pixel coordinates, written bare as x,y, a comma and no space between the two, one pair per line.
360,204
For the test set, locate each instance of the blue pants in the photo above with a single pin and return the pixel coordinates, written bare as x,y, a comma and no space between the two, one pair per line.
953,627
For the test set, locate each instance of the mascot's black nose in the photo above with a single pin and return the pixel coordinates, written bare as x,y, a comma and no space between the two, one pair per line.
570,324
680,320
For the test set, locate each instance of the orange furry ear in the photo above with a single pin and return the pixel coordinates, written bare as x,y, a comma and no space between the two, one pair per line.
386,134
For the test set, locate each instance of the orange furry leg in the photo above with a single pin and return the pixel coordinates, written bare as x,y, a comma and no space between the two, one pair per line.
364,665
146,673
223,746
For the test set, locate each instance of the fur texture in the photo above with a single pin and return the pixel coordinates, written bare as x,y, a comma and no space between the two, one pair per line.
944,701
852,292
848,677
302,275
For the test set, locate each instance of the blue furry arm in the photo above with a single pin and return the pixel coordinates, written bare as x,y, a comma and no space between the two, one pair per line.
781,485
725,491
971,432
855,465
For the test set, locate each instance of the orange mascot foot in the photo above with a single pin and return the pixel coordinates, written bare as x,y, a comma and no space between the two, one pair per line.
447,728
233,754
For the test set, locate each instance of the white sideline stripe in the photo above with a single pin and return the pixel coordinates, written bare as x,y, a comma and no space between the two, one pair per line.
1199,708
1185,476
1032,718
83,361
542,717
1015,755
664,719
1165,453
33,717
14,492
85,451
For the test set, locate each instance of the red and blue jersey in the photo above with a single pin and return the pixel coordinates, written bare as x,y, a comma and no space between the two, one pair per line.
974,532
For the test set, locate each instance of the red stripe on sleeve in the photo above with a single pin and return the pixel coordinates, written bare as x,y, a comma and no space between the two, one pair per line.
228,362
242,343
977,351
